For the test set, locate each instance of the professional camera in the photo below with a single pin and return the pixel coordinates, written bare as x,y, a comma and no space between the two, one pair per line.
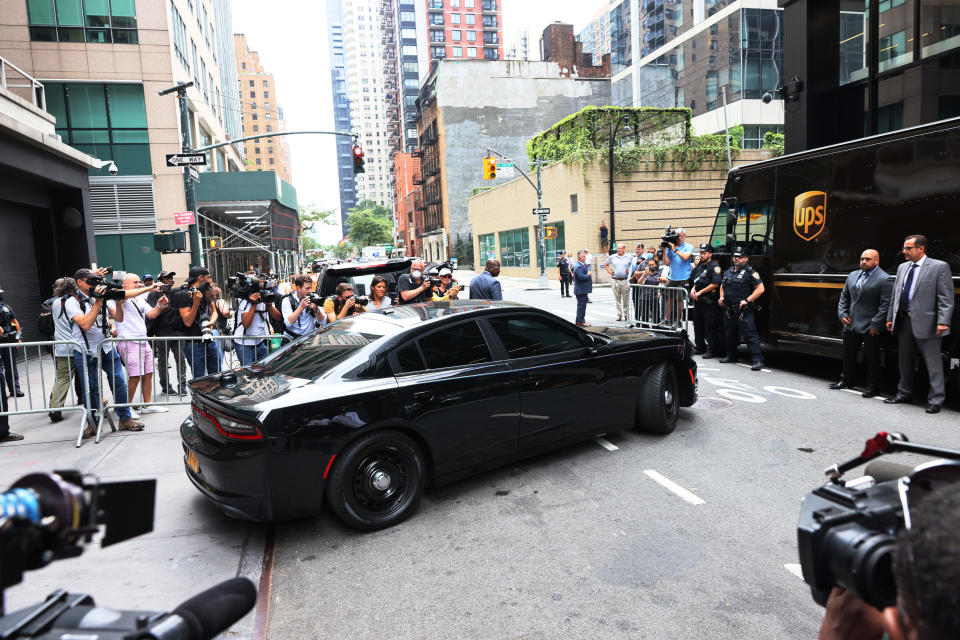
432,282
847,529
360,301
114,291
49,516
669,237
315,298
243,286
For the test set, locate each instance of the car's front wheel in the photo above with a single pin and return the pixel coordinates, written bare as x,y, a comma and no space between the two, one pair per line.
659,401
376,481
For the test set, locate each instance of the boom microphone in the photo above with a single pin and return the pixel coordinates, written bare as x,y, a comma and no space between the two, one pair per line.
213,611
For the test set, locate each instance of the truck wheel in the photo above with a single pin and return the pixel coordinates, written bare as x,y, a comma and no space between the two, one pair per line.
659,402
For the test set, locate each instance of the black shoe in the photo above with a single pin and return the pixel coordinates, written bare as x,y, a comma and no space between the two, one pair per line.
900,398
18,393
167,391
699,352
840,385
757,366
55,416
589,301
708,355
870,393
183,391
933,408
726,360
11,437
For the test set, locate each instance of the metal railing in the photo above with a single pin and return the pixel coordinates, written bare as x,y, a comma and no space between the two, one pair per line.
661,308
38,94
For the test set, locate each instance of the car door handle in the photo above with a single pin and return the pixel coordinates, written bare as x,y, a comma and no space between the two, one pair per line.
422,396
535,382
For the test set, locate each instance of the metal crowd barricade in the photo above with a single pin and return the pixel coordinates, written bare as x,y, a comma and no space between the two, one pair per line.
228,358
35,370
661,308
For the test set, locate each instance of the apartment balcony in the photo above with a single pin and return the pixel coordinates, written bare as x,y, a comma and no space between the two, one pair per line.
489,21
417,179
491,43
489,6
435,5
430,170
490,54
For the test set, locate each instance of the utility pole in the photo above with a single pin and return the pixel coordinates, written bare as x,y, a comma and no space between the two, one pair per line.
185,146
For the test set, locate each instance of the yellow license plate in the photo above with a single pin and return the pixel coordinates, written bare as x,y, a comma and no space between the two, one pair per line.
193,462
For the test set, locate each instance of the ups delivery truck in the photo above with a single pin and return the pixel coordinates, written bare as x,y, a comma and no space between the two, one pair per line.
806,218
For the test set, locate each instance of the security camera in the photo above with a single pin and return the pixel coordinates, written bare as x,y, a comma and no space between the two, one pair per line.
112,169
767,97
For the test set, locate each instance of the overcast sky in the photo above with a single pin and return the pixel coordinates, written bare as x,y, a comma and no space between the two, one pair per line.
291,38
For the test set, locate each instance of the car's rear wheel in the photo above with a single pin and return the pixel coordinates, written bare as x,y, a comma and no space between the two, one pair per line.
376,481
659,401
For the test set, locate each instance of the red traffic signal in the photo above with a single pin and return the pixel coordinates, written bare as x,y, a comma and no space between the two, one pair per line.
358,159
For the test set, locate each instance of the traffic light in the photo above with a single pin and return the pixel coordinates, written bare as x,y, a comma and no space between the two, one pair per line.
489,168
358,159
550,233
214,242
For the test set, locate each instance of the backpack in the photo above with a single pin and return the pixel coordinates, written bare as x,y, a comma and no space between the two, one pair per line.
45,322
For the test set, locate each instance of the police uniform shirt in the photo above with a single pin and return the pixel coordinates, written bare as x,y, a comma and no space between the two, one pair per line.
738,285
706,274
7,316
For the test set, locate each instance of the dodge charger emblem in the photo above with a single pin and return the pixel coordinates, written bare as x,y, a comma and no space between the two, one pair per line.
809,214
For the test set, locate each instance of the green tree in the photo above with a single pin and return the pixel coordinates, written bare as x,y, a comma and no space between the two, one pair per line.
368,228
378,210
310,219
338,251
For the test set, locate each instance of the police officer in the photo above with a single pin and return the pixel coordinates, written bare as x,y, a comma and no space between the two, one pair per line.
741,286
705,293
11,334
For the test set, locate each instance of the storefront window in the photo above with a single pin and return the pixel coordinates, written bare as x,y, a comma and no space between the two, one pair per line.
939,26
553,245
488,247
515,248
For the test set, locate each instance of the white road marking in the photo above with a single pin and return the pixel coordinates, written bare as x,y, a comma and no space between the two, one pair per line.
673,487
790,393
609,446
853,391
737,394
700,367
794,569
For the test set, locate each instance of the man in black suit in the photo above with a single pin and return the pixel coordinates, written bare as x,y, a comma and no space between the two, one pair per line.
863,311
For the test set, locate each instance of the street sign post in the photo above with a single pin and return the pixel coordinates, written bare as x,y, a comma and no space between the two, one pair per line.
541,211
504,169
184,217
192,173
184,159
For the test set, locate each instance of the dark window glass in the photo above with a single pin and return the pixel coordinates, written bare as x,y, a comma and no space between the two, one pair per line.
459,345
530,336
409,359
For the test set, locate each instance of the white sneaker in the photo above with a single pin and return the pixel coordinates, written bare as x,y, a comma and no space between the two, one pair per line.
133,414
154,409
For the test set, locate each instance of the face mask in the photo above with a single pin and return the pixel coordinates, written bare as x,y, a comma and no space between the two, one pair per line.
416,273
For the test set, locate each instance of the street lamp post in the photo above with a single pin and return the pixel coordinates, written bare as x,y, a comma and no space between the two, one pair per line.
613,224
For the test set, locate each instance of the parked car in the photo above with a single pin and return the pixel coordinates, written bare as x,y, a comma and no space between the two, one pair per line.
366,411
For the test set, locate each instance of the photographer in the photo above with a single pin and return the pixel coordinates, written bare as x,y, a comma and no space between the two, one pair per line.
645,298
413,287
678,254
343,304
926,565
448,287
167,324
62,353
86,313
255,325
11,333
196,317
299,311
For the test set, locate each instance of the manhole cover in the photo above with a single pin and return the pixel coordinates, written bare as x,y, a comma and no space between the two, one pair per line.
712,403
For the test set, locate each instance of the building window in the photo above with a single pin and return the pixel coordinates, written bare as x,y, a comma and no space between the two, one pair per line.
256,150
104,121
468,4
251,83
83,21
179,29
258,160
455,35
269,128
471,36
853,46
471,18
939,27
553,246
436,35
436,19
574,203
471,52
894,51
256,128
488,247
454,18
515,248
438,52
271,161
408,50
254,116
455,4
458,52
753,134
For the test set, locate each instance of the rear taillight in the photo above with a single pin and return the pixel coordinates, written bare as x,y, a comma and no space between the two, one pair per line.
230,427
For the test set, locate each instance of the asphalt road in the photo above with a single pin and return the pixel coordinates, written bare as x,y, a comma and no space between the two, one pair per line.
690,535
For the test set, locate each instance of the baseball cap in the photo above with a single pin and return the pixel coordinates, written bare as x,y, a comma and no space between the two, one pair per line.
82,274
148,276
445,272
196,272
740,252
166,274
706,247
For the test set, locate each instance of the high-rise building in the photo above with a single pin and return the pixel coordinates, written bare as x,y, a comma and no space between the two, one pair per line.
465,29
341,112
595,36
261,113
363,56
519,48
102,66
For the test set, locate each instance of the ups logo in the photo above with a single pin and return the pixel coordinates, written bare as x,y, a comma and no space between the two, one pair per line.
809,214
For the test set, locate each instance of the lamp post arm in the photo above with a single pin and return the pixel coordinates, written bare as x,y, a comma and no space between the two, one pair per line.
271,134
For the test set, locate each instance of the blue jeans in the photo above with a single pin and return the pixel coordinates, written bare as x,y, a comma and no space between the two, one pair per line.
581,307
90,380
251,353
203,356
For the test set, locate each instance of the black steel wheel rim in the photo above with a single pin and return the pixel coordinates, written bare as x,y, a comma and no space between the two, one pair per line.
381,479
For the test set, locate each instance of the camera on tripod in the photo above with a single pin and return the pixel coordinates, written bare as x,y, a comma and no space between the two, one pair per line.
50,516
242,286
113,291
670,237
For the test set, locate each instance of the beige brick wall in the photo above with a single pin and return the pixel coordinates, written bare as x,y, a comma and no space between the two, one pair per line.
646,201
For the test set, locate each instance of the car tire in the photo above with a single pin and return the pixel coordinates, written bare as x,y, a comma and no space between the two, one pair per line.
659,401
376,481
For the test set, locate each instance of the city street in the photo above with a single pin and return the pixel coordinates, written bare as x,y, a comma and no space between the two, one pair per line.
690,535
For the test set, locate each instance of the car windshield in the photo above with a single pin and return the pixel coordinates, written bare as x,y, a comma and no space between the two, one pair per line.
318,353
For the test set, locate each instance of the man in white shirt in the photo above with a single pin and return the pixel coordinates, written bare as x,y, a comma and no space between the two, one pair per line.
138,356
299,314
253,321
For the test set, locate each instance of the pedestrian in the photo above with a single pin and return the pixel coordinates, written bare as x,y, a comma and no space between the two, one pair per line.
589,262
618,266
582,286
11,335
193,310
863,306
485,286
680,258
705,282
167,325
563,266
134,350
413,287
604,237
646,276
920,317
85,310
300,314
5,434
739,290
63,288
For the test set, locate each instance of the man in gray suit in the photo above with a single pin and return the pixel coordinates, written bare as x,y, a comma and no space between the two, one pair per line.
920,317
863,310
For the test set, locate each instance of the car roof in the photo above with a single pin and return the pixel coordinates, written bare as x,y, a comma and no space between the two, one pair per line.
408,315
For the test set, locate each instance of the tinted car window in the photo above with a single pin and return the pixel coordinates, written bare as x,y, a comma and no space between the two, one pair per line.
530,336
408,359
459,345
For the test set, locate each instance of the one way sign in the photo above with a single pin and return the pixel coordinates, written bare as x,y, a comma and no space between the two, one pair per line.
182,159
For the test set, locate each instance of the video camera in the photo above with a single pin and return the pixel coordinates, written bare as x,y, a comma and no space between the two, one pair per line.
669,237
242,286
113,291
49,516
848,528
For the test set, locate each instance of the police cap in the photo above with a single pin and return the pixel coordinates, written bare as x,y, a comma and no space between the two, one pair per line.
740,252
706,247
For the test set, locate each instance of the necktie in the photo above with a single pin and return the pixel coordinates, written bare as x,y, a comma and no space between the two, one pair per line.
863,277
905,292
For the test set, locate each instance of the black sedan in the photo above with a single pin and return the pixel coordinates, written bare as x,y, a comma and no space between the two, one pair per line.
366,411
